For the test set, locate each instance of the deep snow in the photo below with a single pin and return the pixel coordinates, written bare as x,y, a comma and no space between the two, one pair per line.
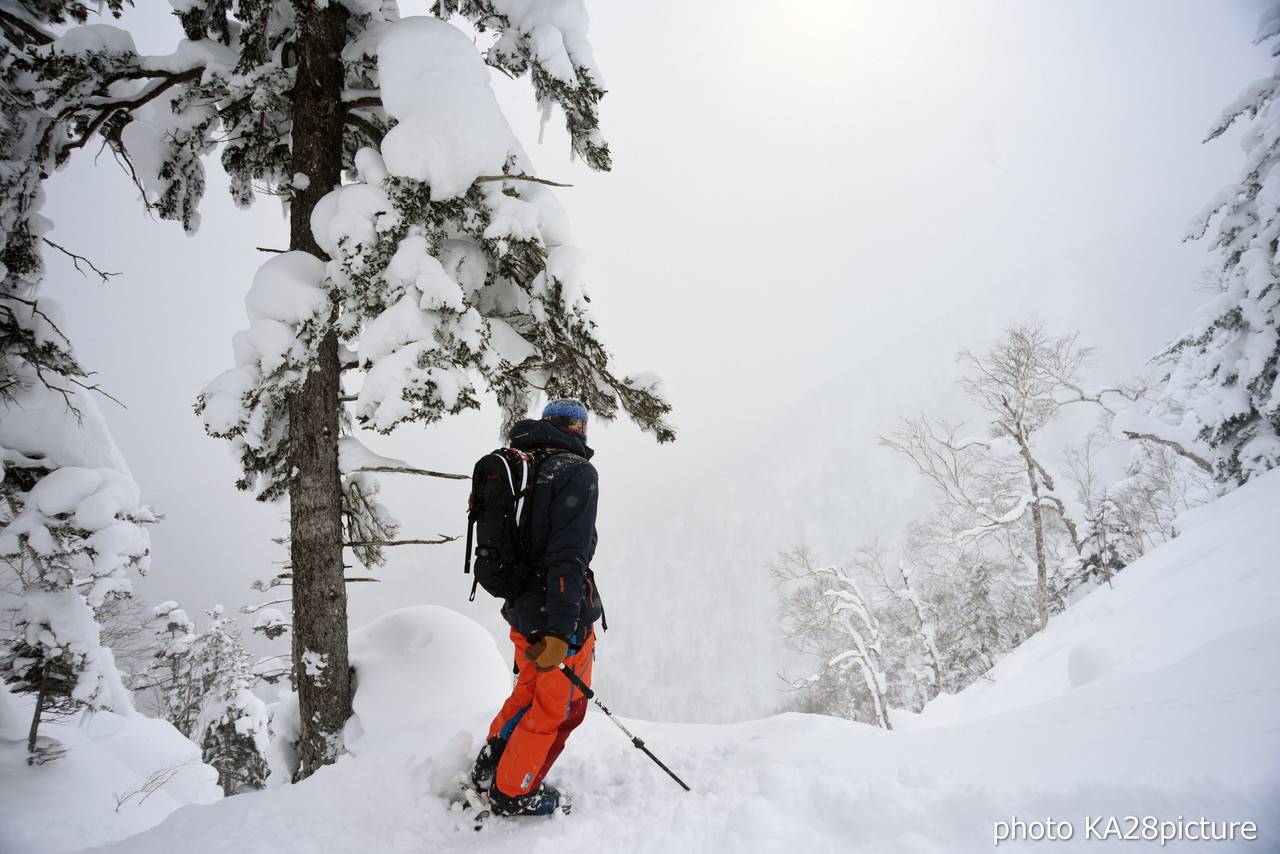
1154,699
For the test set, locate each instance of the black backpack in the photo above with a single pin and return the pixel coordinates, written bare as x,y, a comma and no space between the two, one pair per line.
498,516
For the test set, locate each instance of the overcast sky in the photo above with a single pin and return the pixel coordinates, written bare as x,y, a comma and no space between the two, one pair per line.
808,216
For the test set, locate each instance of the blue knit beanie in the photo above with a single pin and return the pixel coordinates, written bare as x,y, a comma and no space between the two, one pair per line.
566,406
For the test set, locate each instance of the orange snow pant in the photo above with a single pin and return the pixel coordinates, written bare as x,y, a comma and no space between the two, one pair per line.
539,715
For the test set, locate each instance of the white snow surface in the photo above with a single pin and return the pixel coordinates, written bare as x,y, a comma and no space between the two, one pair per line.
97,792
1153,699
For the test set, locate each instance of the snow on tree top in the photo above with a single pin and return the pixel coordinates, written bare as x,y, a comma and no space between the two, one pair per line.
94,38
449,129
557,31
286,289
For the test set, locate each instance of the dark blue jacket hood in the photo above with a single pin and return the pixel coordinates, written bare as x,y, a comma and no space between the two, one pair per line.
543,434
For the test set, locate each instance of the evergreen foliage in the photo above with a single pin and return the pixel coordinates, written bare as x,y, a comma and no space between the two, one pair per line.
1223,370
201,682
292,95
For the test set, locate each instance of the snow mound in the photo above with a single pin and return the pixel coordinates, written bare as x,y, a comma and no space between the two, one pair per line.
121,774
423,674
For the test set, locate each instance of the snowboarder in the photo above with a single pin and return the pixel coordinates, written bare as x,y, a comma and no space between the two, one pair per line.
552,620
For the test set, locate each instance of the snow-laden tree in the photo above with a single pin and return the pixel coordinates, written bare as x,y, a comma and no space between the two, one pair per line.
444,270
165,681
71,520
825,614
1105,539
426,260
915,638
72,528
231,728
1004,482
979,595
1017,382
201,682
1222,371
1159,484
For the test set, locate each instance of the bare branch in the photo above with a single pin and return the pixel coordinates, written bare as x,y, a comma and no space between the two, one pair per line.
149,786
76,259
486,179
379,543
406,470
290,575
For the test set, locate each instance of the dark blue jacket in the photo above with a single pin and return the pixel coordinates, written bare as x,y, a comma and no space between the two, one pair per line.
562,534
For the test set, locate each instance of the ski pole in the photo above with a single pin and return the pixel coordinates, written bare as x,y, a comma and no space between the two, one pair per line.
591,695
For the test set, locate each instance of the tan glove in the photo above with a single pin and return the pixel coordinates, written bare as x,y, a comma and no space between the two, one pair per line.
547,653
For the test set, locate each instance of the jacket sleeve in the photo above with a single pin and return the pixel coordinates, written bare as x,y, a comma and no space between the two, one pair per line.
571,542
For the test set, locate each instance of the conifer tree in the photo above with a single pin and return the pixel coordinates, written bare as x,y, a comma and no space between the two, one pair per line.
441,271
231,728
71,522
202,683
168,674
1105,542
1223,370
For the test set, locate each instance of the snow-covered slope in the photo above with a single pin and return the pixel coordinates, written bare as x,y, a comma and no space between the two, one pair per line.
1148,709
122,774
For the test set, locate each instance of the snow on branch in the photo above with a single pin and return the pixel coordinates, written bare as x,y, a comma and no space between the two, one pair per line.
22,32
410,470
105,109
354,456
483,179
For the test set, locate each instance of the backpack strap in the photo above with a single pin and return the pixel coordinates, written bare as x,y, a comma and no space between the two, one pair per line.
591,579
466,567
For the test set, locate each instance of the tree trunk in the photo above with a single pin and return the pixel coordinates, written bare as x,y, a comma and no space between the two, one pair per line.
1037,522
315,491
34,735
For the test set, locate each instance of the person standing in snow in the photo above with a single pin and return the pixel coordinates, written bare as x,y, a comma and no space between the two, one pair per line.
552,622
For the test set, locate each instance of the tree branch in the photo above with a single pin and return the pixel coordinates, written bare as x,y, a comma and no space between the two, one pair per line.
15,26
106,109
486,179
362,102
405,470
1200,461
380,543
76,259
372,131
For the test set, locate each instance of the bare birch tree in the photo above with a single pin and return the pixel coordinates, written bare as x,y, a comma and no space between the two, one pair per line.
826,615
1003,481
